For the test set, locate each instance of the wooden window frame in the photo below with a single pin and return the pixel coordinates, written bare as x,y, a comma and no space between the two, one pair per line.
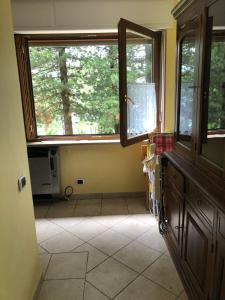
22,42
156,70
218,35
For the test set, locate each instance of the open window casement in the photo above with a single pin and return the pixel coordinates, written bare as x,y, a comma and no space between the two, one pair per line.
138,81
52,78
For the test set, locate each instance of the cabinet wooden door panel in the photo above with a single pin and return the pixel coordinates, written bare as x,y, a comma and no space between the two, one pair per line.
219,285
196,254
218,290
174,207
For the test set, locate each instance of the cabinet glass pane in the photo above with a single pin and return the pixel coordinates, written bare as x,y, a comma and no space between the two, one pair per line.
141,95
213,147
187,89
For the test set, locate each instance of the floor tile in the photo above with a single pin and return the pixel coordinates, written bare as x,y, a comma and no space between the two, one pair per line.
69,289
147,218
58,210
131,228
183,296
46,229
62,242
137,256
153,240
40,210
109,220
144,289
89,202
114,202
80,241
163,272
87,230
95,256
136,206
137,200
67,265
44,259
91,293
114,207
110,277
41,250
87,210
110,241
114,210
66,222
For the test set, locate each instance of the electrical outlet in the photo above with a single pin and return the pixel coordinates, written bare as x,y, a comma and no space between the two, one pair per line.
79,181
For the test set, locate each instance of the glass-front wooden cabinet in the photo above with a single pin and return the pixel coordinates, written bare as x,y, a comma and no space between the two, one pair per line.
188,51
187,88
187,84
194,226
212,147
200,92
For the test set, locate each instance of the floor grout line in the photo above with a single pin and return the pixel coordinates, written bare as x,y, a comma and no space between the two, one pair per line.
85,274
130,213
98,289
163,287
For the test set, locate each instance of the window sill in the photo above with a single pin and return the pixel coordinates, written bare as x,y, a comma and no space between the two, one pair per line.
72,142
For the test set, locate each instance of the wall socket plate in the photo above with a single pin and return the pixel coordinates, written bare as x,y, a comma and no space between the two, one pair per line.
79,181
21,182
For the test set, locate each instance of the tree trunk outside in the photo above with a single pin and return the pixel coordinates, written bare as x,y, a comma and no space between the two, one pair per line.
113,57
65,92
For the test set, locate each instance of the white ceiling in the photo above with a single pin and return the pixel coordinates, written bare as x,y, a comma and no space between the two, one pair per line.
72,15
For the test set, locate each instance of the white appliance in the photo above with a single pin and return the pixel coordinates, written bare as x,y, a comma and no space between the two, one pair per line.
44,173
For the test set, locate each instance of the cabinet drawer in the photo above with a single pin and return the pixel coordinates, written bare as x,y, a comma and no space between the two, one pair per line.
175,177
201,203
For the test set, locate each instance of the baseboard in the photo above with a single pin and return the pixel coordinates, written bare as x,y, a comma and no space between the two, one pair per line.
37,291
107,195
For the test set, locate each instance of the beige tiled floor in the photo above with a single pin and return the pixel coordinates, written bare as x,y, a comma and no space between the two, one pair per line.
101,249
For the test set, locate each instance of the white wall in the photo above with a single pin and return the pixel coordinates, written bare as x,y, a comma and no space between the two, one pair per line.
89,14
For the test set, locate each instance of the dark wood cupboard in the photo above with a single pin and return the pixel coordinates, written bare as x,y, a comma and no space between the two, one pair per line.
192,208
194,183
218,289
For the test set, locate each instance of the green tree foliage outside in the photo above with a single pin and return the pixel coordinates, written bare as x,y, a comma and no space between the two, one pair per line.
216,115
76,87
216,100
188,73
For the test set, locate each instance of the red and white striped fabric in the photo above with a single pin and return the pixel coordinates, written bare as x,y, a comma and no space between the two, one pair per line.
164,142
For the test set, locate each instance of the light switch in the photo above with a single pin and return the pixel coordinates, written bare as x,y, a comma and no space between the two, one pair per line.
21,183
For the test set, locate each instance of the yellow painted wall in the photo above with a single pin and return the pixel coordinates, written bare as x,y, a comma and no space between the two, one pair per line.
19,262
105,168
111,168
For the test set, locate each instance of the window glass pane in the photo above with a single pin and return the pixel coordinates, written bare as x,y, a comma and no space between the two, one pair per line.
141,95
75,89
216,110
187,89
213,146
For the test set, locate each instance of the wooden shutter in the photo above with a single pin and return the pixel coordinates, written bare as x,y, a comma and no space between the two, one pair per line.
23,62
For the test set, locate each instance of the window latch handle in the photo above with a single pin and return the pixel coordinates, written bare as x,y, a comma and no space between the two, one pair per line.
126,98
